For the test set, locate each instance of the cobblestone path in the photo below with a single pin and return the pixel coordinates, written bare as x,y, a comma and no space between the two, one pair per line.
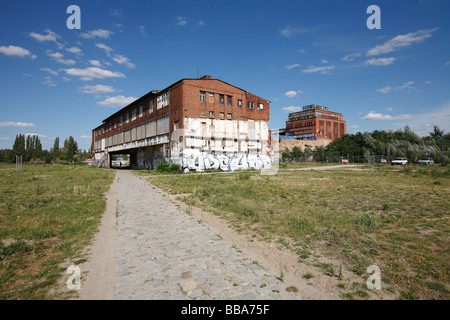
163,253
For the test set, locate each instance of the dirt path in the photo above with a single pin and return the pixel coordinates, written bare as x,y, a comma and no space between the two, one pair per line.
98,274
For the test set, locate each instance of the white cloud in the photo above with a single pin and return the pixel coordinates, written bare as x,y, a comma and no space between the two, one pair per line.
372,115
95,63
447,63
389,109
93,73
123,60
380,61
351,57
323,70
292,109
324,61
16,124
292,66
117,101
85,136
142,30
35,134
75,50
58,57
427,82
181,21
14,51
301,51
288,31
407,85
201,23
99,33
50,36
401,41
52,72
97,89
292,94
48,81
386,89
104,47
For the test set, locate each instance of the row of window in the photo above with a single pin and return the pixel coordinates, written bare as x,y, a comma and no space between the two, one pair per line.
250,104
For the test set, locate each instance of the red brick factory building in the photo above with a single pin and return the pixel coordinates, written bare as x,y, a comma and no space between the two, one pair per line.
199,123
315,122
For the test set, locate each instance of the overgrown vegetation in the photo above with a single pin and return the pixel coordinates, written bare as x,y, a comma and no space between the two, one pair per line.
374,215
358,147
48,214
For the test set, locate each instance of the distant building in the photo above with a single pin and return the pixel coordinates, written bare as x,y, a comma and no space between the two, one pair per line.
315,122
200,124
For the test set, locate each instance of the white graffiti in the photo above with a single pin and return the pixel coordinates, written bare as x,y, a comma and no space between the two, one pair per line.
225,162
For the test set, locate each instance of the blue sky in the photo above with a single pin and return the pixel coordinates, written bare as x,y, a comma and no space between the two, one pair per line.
57,82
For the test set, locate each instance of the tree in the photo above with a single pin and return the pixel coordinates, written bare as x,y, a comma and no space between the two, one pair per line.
71,147
19,145
297,153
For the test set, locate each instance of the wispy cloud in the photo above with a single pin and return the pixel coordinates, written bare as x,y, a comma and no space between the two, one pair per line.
85,136
99,33
292,66
290,31
292,109
142,30
17,124
407,85
48,36
323,70
117,101
14,51
97,89
352,56
123,60
91,73
95,63
48,81
58,57
372,115
181,21
201,23
104,47
75,50
380,61
52,72
401,41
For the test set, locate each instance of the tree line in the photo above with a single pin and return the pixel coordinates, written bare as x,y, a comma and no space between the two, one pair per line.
390,144
30,149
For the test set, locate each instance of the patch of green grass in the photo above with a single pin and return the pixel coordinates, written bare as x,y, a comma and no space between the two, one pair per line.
396,218
51,214
308,276
292,289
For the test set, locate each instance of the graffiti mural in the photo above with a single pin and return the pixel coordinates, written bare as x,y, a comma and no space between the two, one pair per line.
224,162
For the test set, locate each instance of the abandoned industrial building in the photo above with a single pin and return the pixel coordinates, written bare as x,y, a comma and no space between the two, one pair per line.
315,122
198,123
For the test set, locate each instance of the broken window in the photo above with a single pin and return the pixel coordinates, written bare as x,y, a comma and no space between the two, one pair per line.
133,114
239,103
221,99
211,114
202,113
229,116
150,106
260,106
229,101
250,105
141,110
221,115
202,96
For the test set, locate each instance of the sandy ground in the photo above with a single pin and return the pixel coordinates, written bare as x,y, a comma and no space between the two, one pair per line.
98,274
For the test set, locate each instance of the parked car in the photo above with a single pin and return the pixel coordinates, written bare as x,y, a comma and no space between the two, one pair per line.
425,160
399,161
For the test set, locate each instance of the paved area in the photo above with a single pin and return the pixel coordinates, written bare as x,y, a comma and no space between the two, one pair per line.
163,253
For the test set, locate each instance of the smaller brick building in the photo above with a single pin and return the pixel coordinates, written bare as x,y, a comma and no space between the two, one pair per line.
315,122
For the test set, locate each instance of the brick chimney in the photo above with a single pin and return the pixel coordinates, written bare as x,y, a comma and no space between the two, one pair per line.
206,77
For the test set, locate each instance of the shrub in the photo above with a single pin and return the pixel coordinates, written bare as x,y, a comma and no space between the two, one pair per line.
164,167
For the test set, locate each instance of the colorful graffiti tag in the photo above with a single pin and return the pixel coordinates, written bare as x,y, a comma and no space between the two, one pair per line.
224,162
